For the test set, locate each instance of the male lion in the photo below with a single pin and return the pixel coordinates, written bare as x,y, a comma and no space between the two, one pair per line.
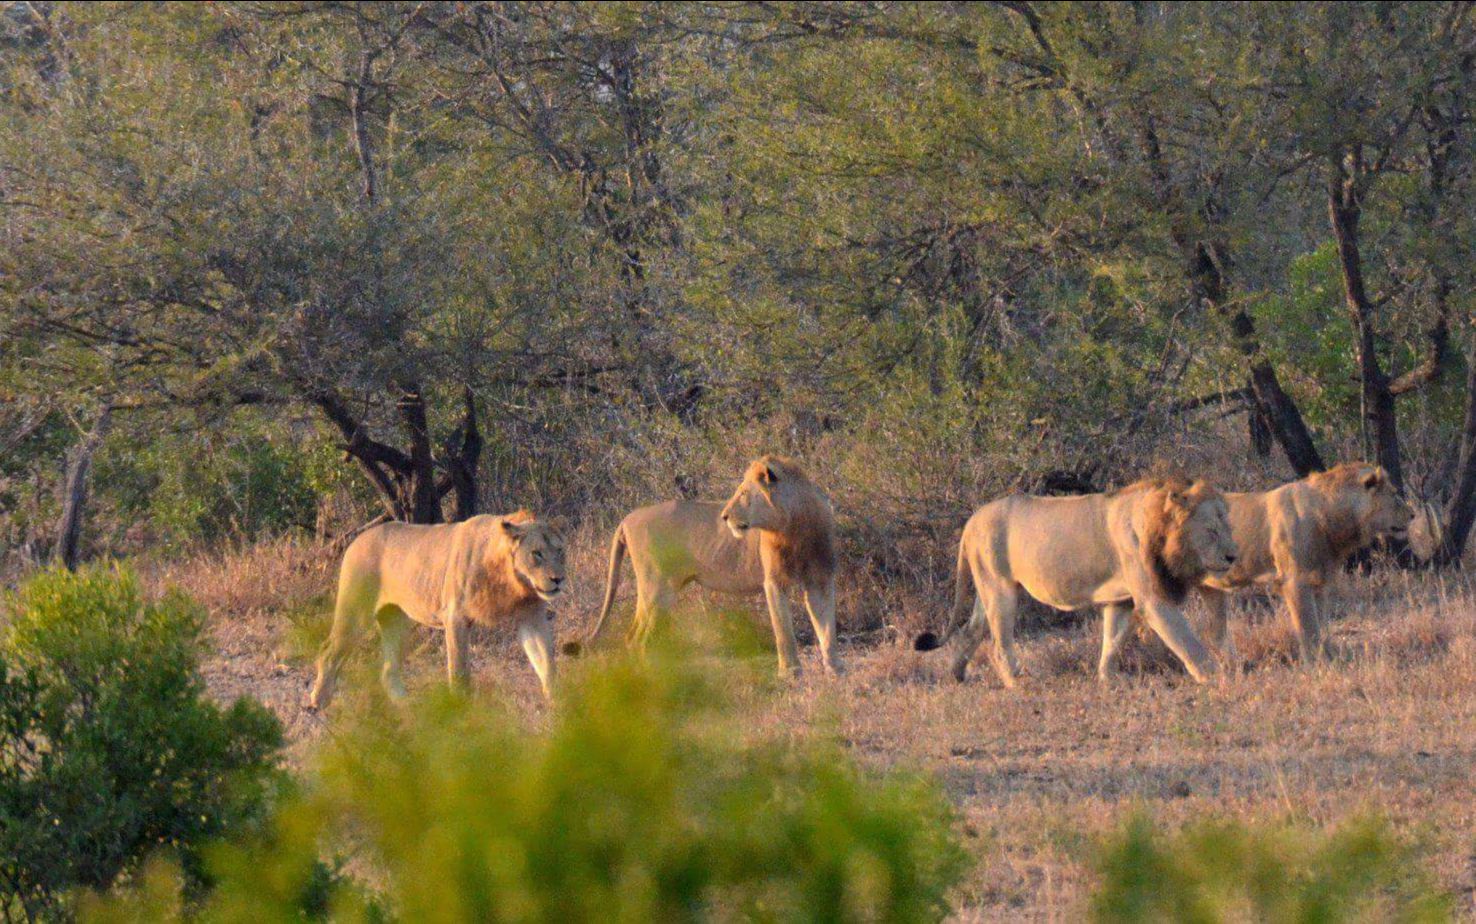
1296,538
1139,548
488,569
776,532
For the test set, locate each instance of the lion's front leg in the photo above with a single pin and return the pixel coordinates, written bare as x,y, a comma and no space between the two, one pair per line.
1304,604
1171,626
1217,628
783,622
537,636
820,602
458,673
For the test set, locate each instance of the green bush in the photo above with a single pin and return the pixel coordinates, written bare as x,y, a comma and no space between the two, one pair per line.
108,750
1228,872
643,801
246,478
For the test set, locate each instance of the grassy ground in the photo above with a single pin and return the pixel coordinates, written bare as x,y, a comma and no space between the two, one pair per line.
1389,725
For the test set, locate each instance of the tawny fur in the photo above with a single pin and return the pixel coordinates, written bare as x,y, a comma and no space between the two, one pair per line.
1296,538
490,570
776,533
1137,548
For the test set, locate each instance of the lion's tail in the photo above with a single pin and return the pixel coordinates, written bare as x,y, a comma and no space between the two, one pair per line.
963,585
612,585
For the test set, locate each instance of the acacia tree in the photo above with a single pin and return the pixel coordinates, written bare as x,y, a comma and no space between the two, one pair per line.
577,92
1377,105
1051,142
1368,83
1184,125
290,244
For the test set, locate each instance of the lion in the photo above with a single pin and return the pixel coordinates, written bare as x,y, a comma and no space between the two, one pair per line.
1296,538
776,533
490,570
1139,549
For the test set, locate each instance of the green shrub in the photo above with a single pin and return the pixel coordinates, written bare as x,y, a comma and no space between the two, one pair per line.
643,801
108,750
243,479
1228,872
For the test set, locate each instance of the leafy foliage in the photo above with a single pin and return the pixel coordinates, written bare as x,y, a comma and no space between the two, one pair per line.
239,482
635,230
108,749
1228,872
645,800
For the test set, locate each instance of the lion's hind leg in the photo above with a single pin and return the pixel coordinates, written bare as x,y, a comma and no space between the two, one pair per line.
394,637
1305,604
1001,607
994,612
997,597
820,603
655,598
349,616
1117,621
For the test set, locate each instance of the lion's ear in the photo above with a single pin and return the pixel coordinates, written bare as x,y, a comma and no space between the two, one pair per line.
1200,491
1373,478
512,530
769,474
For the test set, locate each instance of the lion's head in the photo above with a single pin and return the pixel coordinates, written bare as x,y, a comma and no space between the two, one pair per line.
778,498
771,492
537,553
1366,496
1188,534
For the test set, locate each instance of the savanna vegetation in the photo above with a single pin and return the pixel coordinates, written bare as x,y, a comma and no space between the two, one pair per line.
270,272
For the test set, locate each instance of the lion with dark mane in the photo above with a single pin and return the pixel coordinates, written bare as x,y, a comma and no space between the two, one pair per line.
1139,549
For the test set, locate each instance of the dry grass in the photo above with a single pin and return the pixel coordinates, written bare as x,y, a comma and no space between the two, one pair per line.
1388,724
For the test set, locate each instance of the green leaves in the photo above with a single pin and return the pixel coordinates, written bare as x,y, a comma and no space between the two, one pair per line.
645,799
108,750
1222,871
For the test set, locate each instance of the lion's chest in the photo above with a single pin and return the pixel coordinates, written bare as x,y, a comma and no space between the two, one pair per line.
490,599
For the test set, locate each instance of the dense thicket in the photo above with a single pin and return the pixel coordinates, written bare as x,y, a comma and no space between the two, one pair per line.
580,254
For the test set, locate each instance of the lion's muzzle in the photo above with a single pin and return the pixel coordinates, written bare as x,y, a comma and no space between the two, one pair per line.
1225,563
554,588
735,526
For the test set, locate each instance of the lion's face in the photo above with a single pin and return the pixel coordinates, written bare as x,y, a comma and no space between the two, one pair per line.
1207,533
759,502
1388,515
538,557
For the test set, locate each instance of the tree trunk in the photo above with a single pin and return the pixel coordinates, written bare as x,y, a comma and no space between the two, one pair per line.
1280,415
419,494
463,464
1258,429
74,492
1344,212
1277,414
1460,510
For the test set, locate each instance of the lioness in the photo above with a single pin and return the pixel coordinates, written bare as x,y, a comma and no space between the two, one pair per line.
776,532
1297,537
488,569
1141,547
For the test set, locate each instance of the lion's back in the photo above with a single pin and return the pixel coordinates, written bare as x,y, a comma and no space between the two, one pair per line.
402,564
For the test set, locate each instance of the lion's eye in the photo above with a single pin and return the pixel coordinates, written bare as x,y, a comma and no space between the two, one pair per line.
538,558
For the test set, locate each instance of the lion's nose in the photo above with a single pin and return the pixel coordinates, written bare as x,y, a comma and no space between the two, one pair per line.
556,581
